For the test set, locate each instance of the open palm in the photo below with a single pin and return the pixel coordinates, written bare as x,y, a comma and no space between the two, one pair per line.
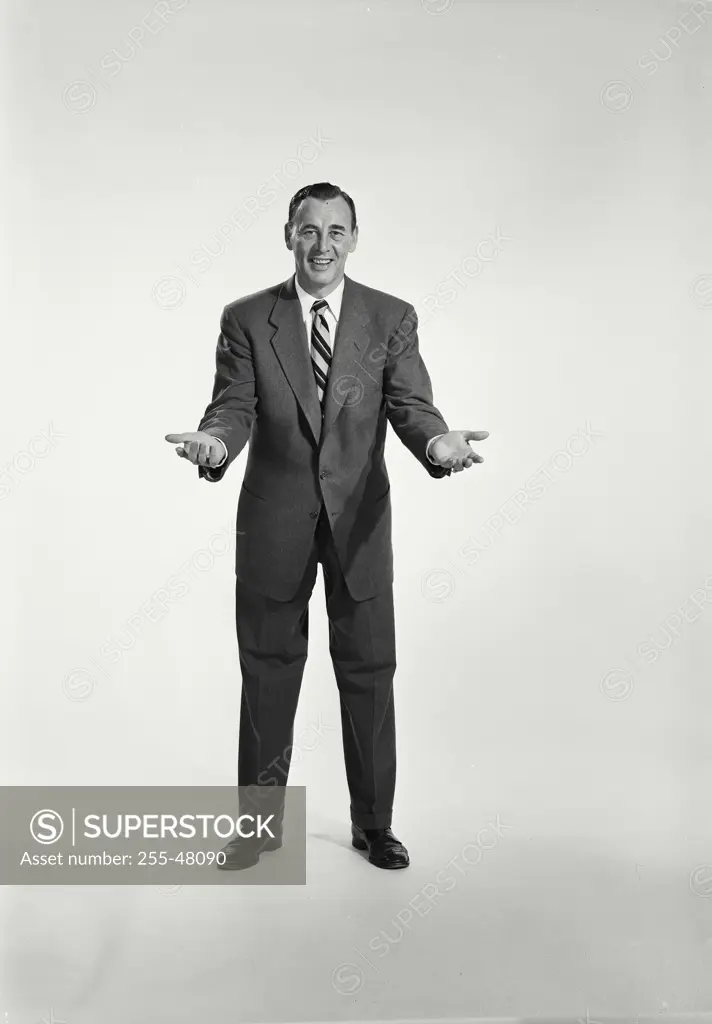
453,451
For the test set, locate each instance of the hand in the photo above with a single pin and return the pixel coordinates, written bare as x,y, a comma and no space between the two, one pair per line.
200,448
453,451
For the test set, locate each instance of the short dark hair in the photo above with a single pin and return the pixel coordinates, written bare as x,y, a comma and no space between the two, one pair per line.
320,190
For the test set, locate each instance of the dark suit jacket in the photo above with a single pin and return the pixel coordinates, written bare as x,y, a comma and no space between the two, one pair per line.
265,393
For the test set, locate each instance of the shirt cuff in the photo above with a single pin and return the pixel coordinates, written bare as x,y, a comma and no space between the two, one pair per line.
427,450
223,459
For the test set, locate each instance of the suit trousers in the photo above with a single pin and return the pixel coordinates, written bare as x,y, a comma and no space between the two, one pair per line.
273,639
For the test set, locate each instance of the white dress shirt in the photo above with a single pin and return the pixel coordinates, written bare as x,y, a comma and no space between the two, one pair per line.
332,313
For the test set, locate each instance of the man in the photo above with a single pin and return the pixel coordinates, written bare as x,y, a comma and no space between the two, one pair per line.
310,371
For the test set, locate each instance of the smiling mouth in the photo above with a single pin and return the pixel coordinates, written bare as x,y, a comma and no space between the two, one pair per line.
320,262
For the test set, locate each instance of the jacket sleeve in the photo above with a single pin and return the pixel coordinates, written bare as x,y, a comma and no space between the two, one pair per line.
409,395
230,414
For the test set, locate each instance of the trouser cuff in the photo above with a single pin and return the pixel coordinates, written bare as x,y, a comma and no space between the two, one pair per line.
382,820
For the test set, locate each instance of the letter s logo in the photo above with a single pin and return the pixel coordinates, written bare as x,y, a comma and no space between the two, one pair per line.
46,827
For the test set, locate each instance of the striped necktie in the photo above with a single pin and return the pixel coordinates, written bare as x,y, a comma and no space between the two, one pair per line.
320,347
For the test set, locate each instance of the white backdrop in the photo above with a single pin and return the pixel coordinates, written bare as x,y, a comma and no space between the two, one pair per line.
533,177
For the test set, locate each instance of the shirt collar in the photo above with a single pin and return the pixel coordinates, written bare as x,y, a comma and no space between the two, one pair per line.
307,300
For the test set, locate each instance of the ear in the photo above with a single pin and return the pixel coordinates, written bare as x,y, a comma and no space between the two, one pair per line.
287,236
354,240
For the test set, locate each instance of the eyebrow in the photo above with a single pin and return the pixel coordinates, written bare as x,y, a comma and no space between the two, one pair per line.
339,226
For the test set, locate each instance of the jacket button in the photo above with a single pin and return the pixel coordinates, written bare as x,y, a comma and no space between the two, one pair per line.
313,514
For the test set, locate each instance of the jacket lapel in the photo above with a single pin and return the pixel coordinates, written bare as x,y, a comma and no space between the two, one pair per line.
292,349
291,346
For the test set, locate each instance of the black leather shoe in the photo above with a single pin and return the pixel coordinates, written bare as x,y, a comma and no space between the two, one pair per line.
384,850
243,852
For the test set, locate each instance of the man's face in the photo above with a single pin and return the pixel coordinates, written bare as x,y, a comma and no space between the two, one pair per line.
321,238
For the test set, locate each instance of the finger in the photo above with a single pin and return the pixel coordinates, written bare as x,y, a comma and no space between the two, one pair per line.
181,452
179,438
204,454
215,456
192,450
475,435
469,454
